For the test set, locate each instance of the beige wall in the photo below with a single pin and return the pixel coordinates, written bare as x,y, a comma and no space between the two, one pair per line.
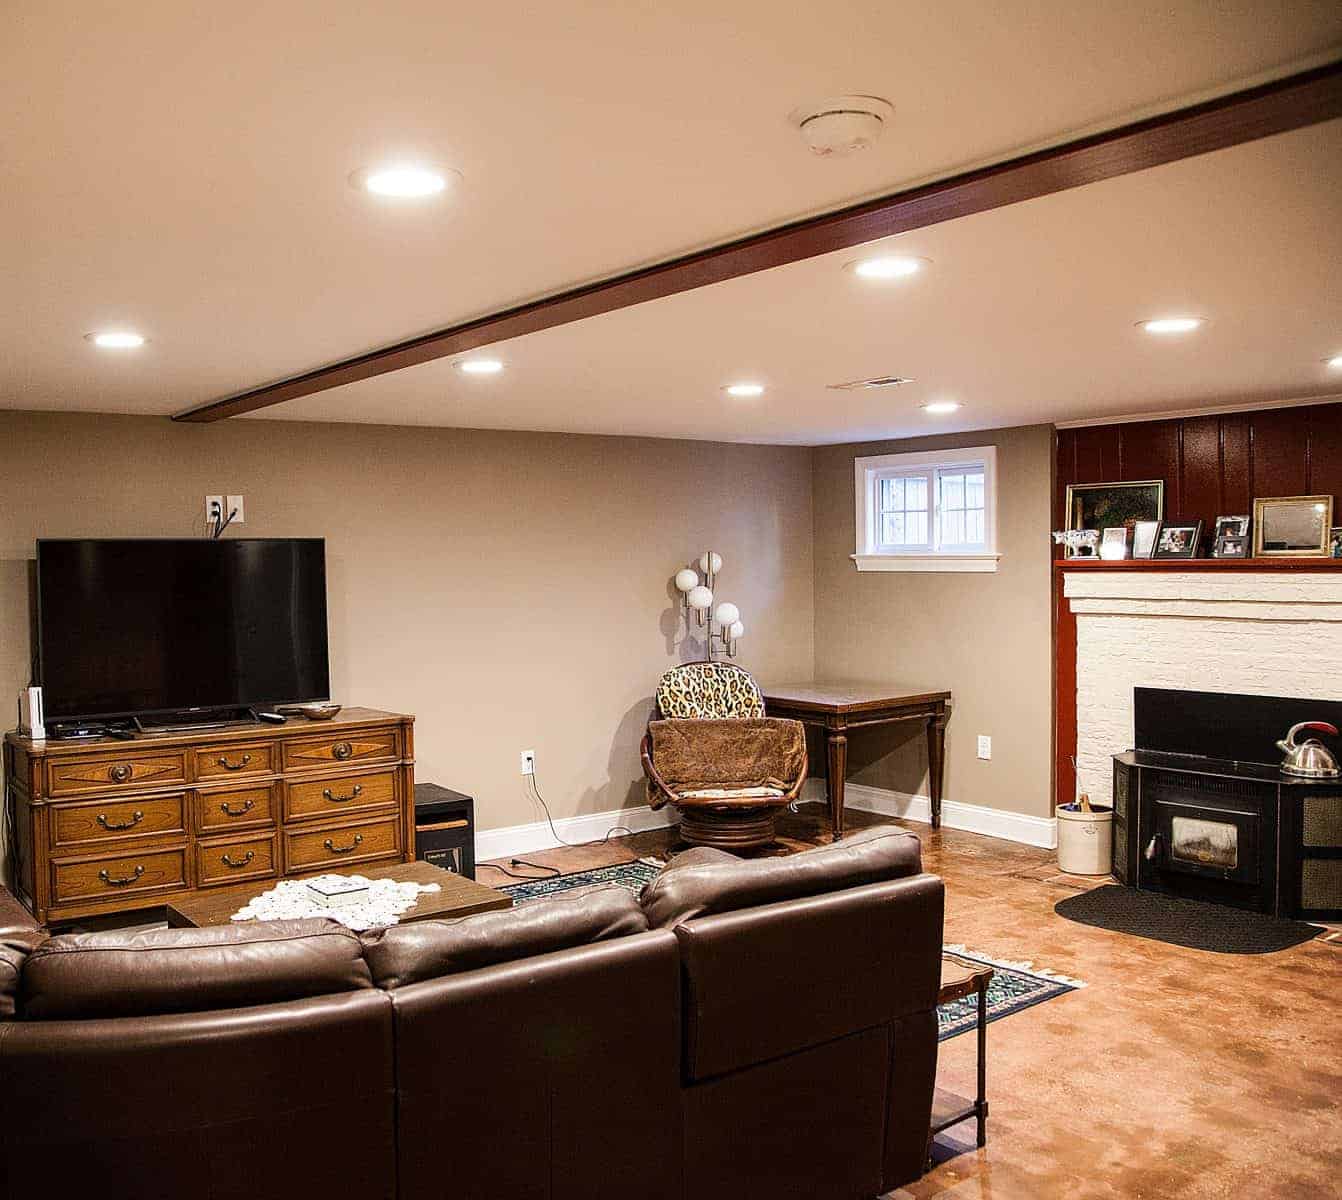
986,637
511,590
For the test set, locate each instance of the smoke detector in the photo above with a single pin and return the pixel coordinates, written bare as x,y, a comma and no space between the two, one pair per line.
842,124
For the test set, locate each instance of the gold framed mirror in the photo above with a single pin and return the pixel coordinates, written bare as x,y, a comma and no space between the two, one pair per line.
1292,525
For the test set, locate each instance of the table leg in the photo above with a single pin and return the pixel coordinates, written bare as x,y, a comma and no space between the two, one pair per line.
981,1103
936,763
836,768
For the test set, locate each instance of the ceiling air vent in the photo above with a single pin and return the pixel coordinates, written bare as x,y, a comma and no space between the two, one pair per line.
862,385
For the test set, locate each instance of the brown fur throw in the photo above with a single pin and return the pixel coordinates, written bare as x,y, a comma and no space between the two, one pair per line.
767,752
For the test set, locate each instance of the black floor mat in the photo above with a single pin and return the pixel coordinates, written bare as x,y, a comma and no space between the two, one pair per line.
1189,923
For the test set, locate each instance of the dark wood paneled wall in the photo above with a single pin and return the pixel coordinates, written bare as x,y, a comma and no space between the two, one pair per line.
1215,465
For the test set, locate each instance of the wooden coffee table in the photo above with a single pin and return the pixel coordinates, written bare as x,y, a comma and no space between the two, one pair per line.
457,897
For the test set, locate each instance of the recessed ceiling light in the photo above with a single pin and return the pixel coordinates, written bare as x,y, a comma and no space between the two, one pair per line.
744,389
887,266
116,339
404,181
939,408
1172,324
480,366
1335,362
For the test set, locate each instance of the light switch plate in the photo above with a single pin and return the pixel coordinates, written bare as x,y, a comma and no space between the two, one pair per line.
985,746
235,503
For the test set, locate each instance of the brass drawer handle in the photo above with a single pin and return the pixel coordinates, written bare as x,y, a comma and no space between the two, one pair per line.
354,845
230,812
222,761
135,818
241,862
120,772
354,795
342,751
124,880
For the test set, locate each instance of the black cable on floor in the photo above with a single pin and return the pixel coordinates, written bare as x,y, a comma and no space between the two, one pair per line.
610,833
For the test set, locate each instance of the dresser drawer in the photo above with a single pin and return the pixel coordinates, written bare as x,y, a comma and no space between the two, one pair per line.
127,771
236,760
332,847
120,875
338,749
225,811
101,820
233,860
332,798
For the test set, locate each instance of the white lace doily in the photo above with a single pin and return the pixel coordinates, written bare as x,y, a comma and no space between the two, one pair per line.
290,900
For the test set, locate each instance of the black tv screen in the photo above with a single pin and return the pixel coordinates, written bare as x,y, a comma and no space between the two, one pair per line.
127,628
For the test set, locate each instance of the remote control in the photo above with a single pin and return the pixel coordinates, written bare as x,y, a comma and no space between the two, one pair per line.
272,718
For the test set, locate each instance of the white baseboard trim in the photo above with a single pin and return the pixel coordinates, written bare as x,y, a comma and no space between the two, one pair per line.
904,806
586,827
973,818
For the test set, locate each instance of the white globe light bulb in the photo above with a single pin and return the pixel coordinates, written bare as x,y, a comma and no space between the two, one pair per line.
687,579
727,614
700,597
736,630
710,563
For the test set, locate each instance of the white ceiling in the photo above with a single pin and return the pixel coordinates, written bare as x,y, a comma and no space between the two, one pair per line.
181,168
1026,314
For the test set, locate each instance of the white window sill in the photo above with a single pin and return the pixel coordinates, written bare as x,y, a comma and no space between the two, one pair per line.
926,562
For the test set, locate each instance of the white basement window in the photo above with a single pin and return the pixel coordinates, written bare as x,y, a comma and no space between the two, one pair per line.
931,511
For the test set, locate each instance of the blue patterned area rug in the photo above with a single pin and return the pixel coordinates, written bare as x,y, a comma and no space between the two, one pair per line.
1015,985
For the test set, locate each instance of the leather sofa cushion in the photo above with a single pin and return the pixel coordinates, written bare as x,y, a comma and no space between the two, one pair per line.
83,975
404,954
696,884
20,934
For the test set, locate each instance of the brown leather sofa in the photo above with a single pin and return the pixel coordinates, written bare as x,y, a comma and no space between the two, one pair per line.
745,1029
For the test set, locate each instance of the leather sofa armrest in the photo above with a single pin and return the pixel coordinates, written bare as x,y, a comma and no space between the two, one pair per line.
20,935
14,918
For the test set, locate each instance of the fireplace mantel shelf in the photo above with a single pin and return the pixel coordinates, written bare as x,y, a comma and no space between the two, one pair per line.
1198,564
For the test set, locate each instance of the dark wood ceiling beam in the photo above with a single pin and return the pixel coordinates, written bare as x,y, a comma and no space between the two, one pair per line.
1286,104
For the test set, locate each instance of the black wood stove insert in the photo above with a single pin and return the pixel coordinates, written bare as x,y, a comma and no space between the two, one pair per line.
1202,809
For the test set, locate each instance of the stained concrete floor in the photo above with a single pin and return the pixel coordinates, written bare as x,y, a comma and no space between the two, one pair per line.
1174,1075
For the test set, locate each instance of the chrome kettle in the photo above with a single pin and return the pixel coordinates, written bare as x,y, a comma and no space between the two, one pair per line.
1310,758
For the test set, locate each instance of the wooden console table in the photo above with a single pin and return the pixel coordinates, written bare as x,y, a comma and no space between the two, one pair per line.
840,706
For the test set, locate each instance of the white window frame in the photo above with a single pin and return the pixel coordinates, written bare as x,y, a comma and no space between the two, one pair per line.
868,472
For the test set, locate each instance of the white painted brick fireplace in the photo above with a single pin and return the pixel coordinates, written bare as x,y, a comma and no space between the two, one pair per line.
1256,632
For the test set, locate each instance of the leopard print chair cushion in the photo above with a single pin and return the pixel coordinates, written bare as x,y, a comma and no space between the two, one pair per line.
709,691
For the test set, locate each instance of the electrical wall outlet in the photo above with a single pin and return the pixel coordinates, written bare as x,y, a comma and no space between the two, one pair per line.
214,509
985,746
528,762
235,506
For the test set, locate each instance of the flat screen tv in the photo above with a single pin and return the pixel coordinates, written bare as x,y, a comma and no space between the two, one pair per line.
130,628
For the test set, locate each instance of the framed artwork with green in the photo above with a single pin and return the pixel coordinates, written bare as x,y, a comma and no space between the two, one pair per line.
1105,505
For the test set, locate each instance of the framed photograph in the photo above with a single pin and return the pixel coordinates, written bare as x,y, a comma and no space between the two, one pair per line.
1178,541
1292,525
1231,527
1231,546
1144,538
1335,542
1104,505
1114,542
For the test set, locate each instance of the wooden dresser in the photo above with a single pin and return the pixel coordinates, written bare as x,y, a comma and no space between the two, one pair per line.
108,826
